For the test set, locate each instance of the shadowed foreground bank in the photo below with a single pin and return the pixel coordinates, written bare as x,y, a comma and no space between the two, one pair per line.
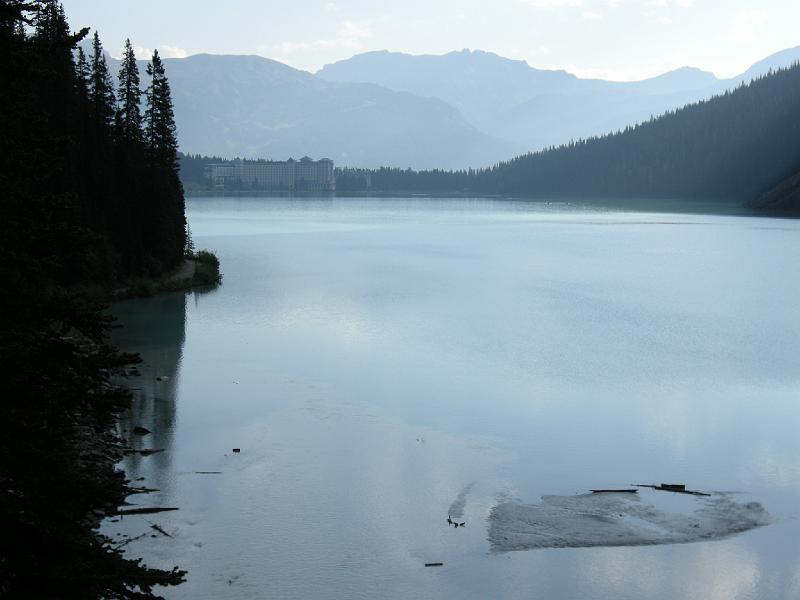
89,197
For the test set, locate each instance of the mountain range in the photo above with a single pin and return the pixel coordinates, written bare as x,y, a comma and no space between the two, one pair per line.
741,146
457,110
538,108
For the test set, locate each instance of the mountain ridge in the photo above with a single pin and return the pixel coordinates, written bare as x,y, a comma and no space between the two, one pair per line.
539,108
740,146
255,107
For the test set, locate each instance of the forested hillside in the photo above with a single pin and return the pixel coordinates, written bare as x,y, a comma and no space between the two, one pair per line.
108,152
89,194
733,147
783,198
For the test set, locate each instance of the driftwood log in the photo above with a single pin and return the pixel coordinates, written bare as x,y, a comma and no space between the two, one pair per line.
143,511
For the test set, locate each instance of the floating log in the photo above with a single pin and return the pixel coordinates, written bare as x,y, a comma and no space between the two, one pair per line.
144,511
139,430
208,472
142,490
236,450
677,488
129,540
159,530
434,564
143,451
692,492
673,487
622,491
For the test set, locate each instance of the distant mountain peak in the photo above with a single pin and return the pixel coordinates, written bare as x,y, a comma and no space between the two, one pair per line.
682,78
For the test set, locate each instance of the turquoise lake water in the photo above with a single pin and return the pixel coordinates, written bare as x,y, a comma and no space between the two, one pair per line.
382,363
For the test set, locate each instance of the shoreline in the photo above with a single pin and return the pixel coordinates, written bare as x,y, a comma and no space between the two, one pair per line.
200,271
652,205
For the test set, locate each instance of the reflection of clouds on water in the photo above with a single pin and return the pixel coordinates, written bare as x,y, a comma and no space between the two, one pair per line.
591,520
710,572
685,417
530,359
686,421
768,465
794,587
674,422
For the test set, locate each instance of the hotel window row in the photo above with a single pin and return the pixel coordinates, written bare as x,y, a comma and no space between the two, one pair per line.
291,175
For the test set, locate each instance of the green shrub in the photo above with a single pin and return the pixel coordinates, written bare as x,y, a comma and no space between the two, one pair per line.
206,270
207,257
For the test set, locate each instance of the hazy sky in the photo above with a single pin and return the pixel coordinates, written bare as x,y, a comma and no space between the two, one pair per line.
616,39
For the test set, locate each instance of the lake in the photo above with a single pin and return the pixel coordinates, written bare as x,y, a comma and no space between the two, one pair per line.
384,363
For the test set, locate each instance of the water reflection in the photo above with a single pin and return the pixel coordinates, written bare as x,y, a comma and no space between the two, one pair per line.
534,351
155,328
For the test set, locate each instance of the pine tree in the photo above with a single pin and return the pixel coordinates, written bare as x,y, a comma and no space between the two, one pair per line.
101,91
129,115
189,248
50,22
160,134
82,75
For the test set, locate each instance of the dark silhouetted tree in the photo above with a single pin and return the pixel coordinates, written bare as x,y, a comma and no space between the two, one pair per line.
70,215
160,135
82,76
130,96
101,89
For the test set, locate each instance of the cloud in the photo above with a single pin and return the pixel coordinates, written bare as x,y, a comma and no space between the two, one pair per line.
670,3
665,12
142,53
591,16
610,74
350,35
746,26
593,8
172,51
165,50
553,4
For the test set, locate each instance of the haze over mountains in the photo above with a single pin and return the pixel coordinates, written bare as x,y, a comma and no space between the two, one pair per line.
255,107
461,109
538,108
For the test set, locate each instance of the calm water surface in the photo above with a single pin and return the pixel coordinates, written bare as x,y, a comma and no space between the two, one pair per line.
372,358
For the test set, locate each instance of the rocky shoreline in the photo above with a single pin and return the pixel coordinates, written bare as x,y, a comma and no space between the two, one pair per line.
60,479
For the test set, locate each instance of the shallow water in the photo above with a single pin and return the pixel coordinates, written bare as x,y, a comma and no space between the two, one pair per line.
381,362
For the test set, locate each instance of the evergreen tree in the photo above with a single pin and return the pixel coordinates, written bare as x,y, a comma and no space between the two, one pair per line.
55,364
160,134
189,248
129,115
82,75
731,147
50,22
101,90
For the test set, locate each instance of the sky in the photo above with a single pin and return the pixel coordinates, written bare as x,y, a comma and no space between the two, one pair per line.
612,39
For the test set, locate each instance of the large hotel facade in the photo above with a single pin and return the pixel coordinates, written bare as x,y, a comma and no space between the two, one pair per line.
290,175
